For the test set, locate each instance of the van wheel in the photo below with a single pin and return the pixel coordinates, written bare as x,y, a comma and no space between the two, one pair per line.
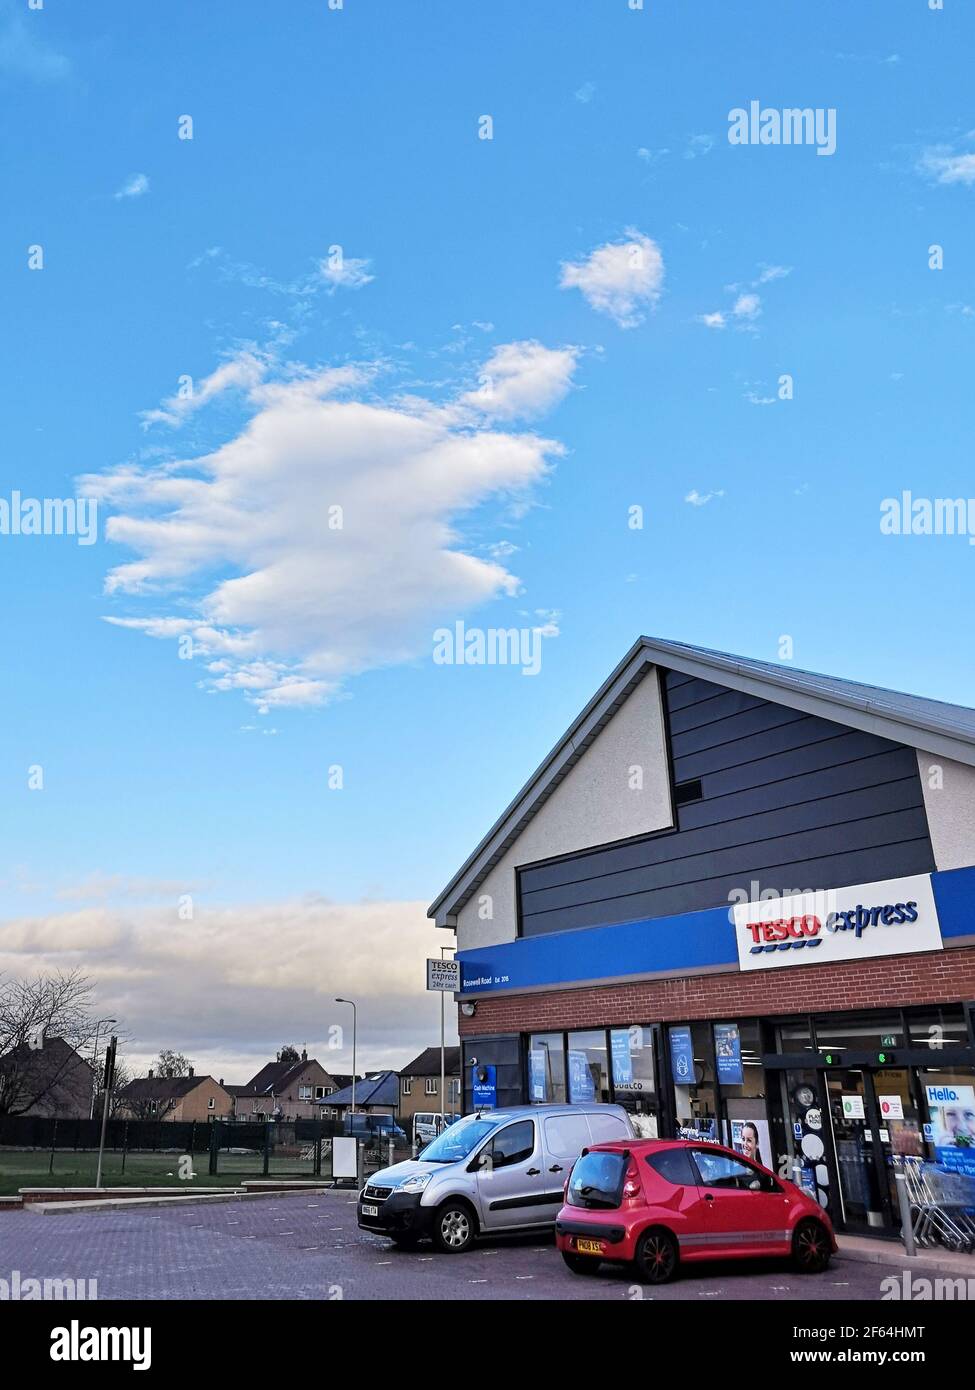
656,1257
580,1264
811,1252
454,1228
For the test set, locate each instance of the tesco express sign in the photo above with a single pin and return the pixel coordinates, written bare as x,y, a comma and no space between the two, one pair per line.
894,917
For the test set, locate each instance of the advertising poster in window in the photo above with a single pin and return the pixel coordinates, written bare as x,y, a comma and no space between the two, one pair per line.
951,1111
537,1073
581,1085
682,1056
727,1051
749,1134
622,1059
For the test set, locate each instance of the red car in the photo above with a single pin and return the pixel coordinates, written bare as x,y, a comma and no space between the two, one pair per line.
657,1204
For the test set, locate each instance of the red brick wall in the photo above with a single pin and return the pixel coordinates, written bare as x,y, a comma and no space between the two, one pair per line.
934,977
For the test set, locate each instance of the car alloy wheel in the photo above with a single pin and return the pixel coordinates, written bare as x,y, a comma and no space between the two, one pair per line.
810,1247
656,1257
454,1229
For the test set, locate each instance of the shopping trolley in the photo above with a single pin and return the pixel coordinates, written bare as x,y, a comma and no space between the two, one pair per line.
942,1205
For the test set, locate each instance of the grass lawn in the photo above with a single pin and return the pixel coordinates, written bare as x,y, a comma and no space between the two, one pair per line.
77,1169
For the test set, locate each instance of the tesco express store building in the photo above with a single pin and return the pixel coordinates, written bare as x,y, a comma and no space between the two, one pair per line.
738,899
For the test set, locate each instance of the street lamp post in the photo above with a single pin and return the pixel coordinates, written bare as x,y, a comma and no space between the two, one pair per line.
352,1002
94,1064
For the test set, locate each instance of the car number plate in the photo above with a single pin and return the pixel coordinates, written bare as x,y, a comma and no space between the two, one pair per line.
369,1211
589,1247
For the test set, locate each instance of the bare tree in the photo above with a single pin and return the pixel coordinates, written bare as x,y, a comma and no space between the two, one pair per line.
172,1064
32,1010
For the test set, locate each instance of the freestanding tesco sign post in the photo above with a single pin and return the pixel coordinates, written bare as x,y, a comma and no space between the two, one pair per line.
444,976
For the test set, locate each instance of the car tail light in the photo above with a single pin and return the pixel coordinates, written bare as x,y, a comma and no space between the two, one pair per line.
632,1191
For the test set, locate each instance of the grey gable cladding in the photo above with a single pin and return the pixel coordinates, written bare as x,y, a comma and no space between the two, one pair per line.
887,719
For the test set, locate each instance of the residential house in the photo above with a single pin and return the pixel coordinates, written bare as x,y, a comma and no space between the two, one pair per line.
376,1093
53,1080
174,1098
285,1090
419,1083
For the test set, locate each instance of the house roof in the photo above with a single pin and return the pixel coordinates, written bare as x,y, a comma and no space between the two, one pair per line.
276,1077
161,1087
428,1063
933,725
375,1088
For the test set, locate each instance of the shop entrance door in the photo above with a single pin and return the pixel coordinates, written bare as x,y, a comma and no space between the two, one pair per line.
857,1143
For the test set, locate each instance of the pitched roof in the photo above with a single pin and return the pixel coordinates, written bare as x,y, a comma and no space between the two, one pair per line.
428,1063
934,725
161,1087
375,1088
276,1077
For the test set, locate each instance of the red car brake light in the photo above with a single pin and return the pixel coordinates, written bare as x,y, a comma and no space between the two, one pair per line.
632,1190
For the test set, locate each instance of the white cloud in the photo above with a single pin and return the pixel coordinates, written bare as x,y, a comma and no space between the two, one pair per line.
214,988
282,596
771,272
946,165
23,53
715,320
620,279
134,187
243,372
345,273
747,306
521,380
701,499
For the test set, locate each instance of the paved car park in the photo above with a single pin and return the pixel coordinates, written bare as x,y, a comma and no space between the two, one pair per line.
308,1246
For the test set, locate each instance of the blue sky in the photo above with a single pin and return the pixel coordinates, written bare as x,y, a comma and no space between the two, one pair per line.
362,381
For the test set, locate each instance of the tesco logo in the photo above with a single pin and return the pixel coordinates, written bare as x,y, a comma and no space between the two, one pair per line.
799,933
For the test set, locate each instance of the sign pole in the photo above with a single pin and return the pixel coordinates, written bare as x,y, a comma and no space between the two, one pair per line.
109,1078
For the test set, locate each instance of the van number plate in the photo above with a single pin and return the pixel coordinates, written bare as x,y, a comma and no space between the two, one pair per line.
369,1211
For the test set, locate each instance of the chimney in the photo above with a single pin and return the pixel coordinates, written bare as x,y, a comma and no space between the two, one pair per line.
304,1054
191,1071
150,1073
220,1082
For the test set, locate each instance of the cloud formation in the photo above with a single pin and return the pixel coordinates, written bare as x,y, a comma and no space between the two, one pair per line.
322,540
621,279
947,165
134,186
221,989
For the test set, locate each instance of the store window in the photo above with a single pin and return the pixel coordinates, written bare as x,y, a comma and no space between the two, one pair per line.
634,1081
546,1068
695,1093
738,1061
859,1032
588,1067
937,1027
948,1117
794,1036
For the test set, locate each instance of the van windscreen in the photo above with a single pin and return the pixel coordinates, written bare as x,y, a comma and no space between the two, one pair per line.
597,1180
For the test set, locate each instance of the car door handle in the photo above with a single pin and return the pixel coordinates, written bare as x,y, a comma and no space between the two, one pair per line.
534,1172
556,1168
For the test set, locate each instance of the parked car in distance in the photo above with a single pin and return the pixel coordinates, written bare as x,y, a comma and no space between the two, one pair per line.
373,1129
426,1125
494,1172
658,1204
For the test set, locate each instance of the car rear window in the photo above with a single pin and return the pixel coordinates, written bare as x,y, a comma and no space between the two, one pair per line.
673,1165
597,1180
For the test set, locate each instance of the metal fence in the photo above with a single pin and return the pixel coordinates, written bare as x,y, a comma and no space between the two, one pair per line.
152,1153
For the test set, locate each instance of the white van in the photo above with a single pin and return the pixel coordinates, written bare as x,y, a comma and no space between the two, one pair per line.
496,1171
426,1126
